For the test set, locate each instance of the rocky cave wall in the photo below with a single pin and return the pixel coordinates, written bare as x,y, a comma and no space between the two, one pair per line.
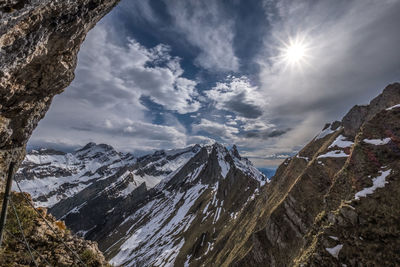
39,43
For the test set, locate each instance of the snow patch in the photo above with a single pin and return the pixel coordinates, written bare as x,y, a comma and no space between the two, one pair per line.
245,166
324,133
206,208
393,107
217,214
335,250
377,142
193,175
334,154
341,141
378,182
305,158
225,166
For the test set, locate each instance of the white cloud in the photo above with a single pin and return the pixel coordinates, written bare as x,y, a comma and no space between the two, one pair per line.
103,104
237,95
199,139
206,27
255,125
135,71
231,122
222,131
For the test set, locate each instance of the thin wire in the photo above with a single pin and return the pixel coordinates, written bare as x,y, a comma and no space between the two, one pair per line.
48,225
21,241
22,231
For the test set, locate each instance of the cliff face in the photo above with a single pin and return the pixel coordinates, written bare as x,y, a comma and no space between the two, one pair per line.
39,42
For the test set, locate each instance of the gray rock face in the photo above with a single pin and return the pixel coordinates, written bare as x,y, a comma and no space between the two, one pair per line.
360,114
39,42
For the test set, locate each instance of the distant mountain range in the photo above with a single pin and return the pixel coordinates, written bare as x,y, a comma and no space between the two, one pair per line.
143,210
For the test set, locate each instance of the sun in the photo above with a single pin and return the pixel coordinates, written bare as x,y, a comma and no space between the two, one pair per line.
294,52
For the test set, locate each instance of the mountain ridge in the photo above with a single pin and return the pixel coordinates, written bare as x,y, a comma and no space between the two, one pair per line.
310,191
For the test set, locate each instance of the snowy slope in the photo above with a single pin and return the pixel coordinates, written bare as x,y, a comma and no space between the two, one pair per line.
156,233
51,176
144,211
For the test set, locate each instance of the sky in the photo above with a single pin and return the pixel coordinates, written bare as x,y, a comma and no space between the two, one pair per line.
264,75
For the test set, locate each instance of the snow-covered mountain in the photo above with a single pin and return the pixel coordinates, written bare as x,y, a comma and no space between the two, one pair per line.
51,176
161,209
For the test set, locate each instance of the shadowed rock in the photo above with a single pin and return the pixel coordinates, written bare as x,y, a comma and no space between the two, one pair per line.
39,42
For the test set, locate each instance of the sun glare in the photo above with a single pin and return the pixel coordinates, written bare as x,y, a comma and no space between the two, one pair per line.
294,52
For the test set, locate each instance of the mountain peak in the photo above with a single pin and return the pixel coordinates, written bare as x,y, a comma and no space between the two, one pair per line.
353,120
92,145
234,151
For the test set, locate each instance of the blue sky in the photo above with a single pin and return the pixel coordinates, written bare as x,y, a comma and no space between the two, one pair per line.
166,74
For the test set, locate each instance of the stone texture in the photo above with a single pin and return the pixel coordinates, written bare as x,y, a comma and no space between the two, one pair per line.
360,114
39,42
